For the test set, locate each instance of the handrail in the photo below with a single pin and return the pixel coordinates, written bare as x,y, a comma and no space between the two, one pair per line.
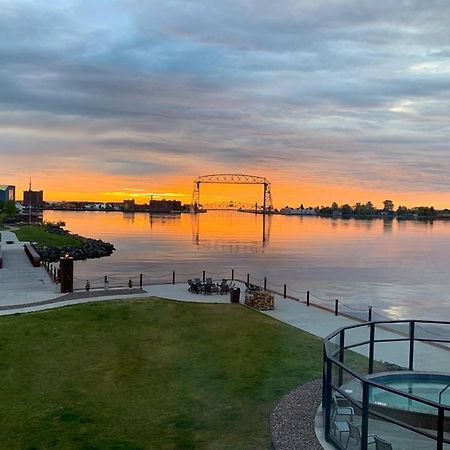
442,391
334,347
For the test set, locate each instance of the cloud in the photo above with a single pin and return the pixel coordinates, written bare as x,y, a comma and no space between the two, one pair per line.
179,87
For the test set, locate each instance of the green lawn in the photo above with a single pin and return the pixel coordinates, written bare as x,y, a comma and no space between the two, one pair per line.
147,374
39,234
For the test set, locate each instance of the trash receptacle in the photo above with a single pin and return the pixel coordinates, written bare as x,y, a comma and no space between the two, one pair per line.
235,293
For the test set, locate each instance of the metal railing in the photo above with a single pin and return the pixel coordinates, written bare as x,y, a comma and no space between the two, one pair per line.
350,382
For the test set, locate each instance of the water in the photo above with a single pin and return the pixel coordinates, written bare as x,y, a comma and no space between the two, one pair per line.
429,387
401,268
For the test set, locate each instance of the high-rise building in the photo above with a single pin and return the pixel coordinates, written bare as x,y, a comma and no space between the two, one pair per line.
35,199
7,193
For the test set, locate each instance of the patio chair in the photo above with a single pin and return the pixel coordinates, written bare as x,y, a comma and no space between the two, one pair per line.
251,288
207,289
340,417
209,280
355,433
381,444
193,287
224,288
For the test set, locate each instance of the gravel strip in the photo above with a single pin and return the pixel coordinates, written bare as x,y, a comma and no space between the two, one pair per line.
292,419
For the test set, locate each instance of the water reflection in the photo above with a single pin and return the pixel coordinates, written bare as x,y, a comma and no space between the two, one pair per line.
398,267
236,244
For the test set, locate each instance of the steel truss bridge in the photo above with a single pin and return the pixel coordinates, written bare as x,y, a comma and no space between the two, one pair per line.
228,206
232,178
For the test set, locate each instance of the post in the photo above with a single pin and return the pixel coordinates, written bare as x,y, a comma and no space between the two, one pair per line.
248,278
66,274
140,280
411,344
264,202
173,276
265,283
341,357
365,416
106,282
204,276
336,307
328,394
307,298
440,428
284,291
371,346
232,274
370,314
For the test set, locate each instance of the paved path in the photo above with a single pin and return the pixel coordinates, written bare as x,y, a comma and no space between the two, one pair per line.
20,282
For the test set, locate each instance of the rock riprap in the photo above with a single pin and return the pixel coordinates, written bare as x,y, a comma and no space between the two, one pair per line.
89,249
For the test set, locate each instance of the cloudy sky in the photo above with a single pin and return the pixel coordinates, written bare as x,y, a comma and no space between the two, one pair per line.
345,100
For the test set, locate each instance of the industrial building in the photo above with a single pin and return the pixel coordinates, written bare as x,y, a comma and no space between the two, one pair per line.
165,206
35,199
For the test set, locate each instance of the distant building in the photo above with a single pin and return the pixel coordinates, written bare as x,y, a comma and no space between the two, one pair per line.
129,205
35,199
7,193
164,205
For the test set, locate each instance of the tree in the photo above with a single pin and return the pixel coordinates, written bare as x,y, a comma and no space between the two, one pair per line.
388,206
346,210
10,208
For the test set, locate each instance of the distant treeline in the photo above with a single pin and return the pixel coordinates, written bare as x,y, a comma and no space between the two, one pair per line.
369,210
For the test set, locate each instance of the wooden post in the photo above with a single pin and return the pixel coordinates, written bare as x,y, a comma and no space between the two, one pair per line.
307,298
248,278
173,277
370,314
204,276
336,307
265,283
232,274
140,280
284,293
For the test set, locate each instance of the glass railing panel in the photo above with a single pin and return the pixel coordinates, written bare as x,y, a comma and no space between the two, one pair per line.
433,331
399,437
391,356
351,387
343,416
357,359
357,335
392,331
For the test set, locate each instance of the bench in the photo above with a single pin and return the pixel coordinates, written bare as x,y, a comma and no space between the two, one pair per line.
33,255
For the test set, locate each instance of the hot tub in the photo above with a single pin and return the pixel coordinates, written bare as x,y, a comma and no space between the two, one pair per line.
424,385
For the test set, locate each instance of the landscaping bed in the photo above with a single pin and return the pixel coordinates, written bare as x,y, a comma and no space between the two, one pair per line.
52,242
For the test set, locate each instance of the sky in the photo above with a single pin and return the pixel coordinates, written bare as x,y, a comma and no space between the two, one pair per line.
345,100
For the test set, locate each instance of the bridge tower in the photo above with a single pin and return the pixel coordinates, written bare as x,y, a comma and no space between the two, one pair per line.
232,178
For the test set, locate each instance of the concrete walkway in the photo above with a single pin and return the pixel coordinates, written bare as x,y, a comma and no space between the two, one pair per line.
20,282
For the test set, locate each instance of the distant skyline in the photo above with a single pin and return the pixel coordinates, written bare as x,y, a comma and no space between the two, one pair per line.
344,101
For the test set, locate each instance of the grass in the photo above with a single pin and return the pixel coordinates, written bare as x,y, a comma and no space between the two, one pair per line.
147,374
39,234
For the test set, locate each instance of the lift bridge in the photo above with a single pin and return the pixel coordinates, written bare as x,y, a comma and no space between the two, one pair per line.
228,206
233,178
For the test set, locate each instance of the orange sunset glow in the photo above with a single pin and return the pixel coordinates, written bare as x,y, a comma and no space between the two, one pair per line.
290,192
